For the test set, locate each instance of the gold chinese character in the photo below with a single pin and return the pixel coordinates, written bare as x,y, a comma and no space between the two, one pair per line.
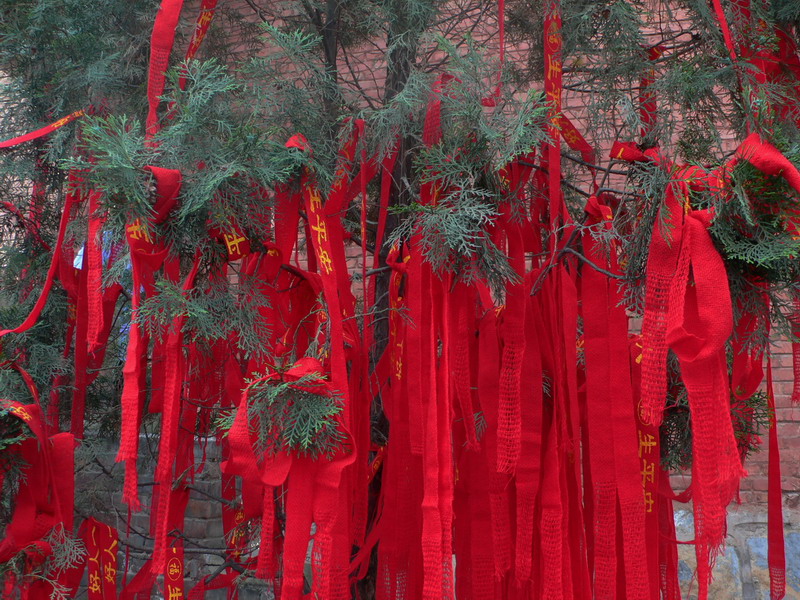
553,67
138,232
646,442
112,550
21,412
205,18
174,567
314,199
174,592
648,501
94,582
554,96
398,362
638,358
321,230
110,573
326,262
232,241
64,120
554,31
648,472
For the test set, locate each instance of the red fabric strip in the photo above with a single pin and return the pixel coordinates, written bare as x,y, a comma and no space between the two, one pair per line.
204,19
173,573
552,88
595,301
661,265
46,130
700,322
168,443
140,586
726,31
147,256
161,41
776,549
94,275
81,351
648,105
102,542
513,335
71,199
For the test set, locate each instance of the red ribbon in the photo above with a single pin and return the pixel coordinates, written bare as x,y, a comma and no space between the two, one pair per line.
161,41
39,133
102,542
147,255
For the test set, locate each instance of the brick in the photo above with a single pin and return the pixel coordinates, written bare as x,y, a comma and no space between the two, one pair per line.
788,413
755,483
753,498
204,529
791,500
789,442
781,363
203,508
783,392
782,346
788,430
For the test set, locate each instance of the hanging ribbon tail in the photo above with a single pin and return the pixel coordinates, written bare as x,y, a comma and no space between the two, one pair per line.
204,19
700,322
776,547
768,159
161,42
39,133
147,255
30,321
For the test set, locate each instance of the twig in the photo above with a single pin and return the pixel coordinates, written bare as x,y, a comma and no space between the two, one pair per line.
579,161
591,264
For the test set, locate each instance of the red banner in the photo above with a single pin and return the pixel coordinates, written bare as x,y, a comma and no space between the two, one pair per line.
102,543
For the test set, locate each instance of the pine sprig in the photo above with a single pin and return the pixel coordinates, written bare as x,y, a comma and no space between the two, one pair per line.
296,416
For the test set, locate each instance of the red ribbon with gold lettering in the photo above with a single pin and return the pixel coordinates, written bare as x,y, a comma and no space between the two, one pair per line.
173,574
552,88
39,133
102,542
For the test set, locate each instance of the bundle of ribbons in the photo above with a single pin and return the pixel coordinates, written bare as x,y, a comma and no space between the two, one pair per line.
523,457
